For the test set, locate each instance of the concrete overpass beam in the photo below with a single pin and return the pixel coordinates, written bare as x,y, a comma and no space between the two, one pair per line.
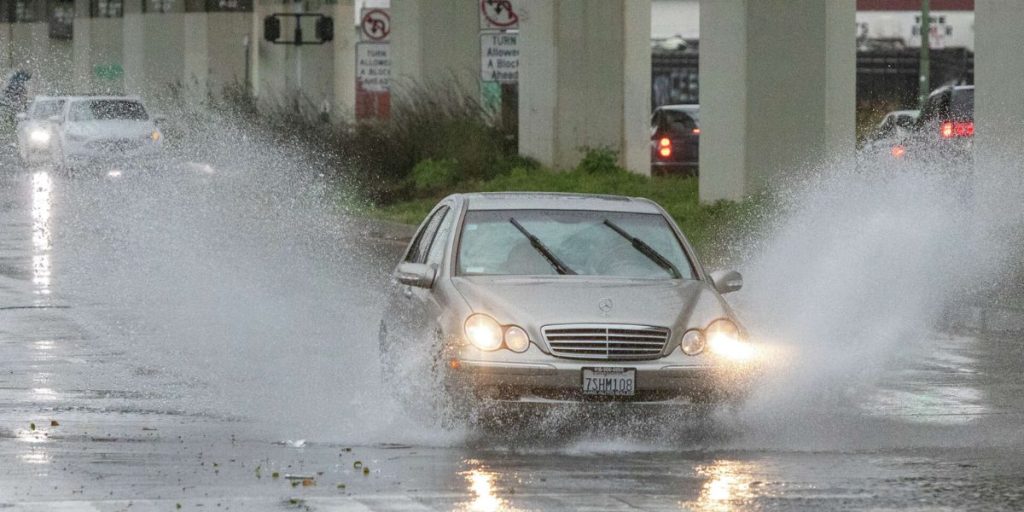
777,91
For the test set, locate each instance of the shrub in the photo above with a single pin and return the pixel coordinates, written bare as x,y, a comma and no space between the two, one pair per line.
435,175
598,160
442,121
438,121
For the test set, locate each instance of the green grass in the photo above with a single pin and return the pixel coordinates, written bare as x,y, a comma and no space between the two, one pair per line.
712,228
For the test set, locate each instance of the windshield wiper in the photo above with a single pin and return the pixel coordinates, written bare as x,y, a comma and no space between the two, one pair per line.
558,264
646,250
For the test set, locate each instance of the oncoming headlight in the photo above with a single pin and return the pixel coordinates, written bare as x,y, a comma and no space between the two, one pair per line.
39,136
483,332
723,339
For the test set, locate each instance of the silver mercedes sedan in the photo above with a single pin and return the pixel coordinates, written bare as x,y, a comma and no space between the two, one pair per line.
558,298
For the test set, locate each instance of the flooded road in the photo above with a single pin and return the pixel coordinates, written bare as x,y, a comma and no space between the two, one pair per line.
207,338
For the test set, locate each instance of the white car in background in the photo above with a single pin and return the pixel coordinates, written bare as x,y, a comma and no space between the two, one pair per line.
36,129
93,129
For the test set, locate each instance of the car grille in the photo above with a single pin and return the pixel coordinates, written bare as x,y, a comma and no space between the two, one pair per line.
116,145
606,341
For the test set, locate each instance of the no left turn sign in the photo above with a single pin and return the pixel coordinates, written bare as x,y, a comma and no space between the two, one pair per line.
375,26
498,14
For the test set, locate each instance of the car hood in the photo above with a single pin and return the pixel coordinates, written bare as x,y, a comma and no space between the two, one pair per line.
534,302
111,129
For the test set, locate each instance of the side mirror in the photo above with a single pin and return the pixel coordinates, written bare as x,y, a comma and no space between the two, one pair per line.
727,281
416,274
21,116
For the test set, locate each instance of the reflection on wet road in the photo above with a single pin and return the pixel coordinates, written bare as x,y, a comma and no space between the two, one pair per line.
42,188
170,340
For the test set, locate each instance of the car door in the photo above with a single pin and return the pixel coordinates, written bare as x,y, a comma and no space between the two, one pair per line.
407,316
426,303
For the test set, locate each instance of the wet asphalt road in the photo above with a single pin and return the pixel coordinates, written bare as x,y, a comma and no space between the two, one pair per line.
205,340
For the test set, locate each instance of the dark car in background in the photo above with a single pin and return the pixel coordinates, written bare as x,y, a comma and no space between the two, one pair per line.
945,128
675,140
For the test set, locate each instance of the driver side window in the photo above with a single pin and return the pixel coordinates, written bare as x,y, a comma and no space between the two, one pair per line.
436,252
418,250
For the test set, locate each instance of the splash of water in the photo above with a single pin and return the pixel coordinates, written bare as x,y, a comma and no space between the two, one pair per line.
852,283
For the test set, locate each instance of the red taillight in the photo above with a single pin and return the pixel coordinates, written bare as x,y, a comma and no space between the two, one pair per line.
951,129
946,130
696,131
898,151
665,147
964,129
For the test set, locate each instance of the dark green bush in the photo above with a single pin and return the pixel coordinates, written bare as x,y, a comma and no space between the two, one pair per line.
435,175
598,160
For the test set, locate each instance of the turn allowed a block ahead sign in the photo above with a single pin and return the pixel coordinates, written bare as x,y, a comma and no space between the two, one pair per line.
499,57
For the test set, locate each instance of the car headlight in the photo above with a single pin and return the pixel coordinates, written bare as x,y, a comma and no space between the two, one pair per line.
693,342
723,339
39,136
483,332
516,339
155,136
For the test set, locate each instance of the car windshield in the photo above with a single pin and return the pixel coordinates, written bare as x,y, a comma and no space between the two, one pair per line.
585,241
46,108
678,122
962,104
905,120
107,110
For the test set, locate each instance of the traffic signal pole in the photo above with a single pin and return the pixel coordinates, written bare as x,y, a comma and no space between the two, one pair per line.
924,87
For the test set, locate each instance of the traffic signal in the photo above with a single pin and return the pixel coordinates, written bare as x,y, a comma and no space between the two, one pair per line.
272,28
325,29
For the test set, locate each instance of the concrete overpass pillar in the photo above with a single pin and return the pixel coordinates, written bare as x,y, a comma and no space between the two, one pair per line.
97,43
435,42
999,110
584,80
313,76
777,90
345,39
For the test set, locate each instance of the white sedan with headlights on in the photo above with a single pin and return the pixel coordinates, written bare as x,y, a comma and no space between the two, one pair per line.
529,298
116,129
36,129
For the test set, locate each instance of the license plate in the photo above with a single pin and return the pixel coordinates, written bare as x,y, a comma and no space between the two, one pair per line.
609,381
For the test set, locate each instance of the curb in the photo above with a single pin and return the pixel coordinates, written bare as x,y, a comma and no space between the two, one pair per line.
988,319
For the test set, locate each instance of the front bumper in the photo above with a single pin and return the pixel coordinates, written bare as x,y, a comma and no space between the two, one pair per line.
38,152
84,153
662,168
542,378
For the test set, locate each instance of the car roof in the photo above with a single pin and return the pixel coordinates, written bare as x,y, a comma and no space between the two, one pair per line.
83,98
953,88
692,107
557,201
